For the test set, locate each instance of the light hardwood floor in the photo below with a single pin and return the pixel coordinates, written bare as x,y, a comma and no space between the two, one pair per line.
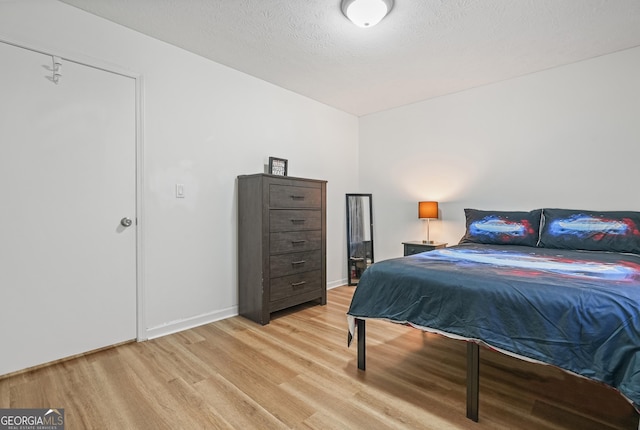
297,372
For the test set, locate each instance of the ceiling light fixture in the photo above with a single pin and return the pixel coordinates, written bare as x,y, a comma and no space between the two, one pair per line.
366,13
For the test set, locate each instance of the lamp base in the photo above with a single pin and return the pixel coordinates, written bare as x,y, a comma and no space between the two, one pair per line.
430,242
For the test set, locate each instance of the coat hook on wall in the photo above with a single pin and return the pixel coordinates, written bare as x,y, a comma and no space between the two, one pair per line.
57,69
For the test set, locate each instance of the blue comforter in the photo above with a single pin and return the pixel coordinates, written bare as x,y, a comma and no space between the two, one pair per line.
578,310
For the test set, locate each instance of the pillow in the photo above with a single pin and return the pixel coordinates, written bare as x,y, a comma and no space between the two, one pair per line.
616,231
502,228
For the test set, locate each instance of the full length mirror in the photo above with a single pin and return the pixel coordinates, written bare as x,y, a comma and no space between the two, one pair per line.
359,235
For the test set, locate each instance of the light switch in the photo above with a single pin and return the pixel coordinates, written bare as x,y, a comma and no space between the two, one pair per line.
179,191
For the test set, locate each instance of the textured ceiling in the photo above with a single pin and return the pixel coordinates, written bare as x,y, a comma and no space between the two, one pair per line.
423,49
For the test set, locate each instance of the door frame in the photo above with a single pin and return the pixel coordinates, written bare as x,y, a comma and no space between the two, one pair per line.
40,48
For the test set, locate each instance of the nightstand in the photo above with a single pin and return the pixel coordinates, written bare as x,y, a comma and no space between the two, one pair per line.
416,247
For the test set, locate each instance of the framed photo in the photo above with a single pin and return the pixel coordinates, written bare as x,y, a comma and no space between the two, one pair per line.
278,166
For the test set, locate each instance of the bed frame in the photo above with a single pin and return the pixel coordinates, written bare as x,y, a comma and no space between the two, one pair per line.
473,368
610,359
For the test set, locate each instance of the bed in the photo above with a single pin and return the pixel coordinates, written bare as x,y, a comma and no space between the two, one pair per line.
555,286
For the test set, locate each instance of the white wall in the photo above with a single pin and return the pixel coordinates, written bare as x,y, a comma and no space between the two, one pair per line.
204,124
567,137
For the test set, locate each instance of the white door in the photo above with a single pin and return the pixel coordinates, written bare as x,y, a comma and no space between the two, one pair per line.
67,178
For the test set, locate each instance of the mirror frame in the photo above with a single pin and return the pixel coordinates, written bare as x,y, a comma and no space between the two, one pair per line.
354,270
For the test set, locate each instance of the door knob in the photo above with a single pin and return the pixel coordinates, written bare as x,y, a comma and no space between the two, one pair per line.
126,222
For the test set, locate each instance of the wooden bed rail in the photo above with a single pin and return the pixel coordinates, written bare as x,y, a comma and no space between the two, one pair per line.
473,369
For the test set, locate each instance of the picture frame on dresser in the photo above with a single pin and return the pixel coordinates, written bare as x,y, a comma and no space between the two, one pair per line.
278,166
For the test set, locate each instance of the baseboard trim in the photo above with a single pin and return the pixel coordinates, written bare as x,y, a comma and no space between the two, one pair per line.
334,284
186,324
181,325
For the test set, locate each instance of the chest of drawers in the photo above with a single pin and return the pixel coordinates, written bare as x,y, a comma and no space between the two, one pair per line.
281,244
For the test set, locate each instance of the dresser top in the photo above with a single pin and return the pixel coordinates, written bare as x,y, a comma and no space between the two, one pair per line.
267,175
420,243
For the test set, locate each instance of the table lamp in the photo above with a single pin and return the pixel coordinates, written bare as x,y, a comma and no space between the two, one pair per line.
427,210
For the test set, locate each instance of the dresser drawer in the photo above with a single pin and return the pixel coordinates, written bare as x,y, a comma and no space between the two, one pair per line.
292,285
292,241
412,249
288,196
295,220
297,262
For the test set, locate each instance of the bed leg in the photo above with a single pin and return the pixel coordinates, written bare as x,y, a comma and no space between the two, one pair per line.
473,377
361,345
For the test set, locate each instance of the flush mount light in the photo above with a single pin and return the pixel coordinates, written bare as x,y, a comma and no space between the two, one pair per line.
366,13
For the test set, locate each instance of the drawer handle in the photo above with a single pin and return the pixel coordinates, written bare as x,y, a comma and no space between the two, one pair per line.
295,263
294,197
296,242
298,284
298,221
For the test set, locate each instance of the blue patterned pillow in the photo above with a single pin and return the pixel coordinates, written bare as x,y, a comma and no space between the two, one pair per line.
615,231
502,228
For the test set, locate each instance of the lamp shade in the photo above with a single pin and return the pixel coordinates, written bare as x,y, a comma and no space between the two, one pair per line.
366,13
427,209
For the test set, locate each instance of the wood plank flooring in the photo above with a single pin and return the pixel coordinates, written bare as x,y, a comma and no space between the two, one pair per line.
297,372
